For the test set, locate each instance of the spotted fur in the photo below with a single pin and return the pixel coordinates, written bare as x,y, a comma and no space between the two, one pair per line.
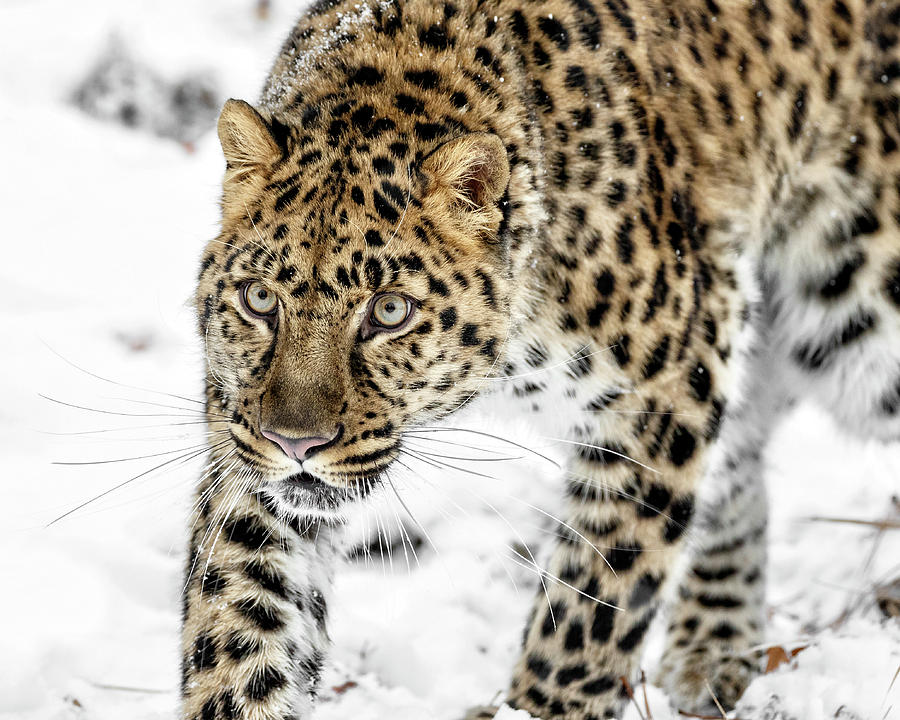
661,222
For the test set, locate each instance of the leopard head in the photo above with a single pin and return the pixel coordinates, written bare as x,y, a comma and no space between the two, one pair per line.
357,290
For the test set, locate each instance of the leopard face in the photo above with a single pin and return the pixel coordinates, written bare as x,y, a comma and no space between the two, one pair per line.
336,319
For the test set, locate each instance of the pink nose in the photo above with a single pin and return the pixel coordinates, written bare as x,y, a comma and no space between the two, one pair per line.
300,448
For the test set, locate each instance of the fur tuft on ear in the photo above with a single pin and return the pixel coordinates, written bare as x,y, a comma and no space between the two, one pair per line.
467,178
250,148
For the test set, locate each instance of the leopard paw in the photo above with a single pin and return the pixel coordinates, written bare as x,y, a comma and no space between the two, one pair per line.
695,678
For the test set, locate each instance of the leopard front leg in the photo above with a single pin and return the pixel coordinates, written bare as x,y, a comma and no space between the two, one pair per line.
717,620
630,501
254,636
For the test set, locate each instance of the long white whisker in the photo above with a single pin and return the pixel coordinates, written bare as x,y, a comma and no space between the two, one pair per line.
114,382
241,489
405,208
111,412
431,429
534,567
575,357
201,446
527,549
199,412
207,494
424,438
411,516
606,450
568,527
123,484
128,428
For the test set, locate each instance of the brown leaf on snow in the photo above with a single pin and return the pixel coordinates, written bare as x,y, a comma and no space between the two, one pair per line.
777,656
341,689
135,341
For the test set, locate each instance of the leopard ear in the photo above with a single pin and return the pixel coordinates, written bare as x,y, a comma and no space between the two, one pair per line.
467,177
251,146
247,139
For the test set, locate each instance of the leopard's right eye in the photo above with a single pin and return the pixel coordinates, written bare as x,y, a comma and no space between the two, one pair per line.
390,311
258,300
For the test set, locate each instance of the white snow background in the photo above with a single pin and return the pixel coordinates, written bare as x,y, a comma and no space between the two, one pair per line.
101,231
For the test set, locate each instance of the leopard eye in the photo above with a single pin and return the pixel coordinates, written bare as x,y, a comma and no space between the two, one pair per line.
390,311
259,300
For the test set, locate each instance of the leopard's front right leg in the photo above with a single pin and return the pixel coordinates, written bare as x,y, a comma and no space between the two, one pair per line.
254,636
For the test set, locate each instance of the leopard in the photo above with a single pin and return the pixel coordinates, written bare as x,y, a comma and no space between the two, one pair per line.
660,224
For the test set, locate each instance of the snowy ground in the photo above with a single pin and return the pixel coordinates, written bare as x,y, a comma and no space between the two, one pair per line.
101,231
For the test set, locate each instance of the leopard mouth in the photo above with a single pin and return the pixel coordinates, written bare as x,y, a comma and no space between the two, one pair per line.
305,481
303,494
306,494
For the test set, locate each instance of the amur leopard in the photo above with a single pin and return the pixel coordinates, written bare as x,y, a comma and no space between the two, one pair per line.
664,221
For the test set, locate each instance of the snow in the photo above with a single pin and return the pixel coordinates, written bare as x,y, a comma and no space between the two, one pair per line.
303,62
102,231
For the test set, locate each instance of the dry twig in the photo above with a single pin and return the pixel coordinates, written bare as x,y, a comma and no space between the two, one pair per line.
646,701
878,524
630,692
715,700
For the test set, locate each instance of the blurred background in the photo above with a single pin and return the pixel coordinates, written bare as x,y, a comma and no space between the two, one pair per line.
110,190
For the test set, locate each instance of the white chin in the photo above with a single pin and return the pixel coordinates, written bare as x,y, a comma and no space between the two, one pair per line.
299,502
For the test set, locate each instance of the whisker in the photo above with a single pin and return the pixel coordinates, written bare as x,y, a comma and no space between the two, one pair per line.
382,529
202,446
467,459
568,527
119,384
207,493
411,516
239,488
198,412
222,242
189,455
430,429
524,545
575,357
522,562
381,543
409,541
220,479
218,380
490,370
370,561
448,442
606,450
441,463
279,525
402,539
211,467
643,412
130,428
262,243
542,573
447,516
113,412
605,487
409,454
167,439
405,208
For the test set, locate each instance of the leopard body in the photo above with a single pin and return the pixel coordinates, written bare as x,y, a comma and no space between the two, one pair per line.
660,222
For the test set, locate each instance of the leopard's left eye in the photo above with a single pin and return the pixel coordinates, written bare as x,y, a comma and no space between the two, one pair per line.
390,311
